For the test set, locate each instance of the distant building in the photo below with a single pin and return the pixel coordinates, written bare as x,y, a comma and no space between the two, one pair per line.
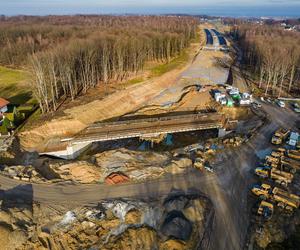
3,105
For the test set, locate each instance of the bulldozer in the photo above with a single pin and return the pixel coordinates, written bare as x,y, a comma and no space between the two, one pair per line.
265,209
279,136
283,198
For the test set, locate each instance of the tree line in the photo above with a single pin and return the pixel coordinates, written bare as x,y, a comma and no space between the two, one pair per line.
273,55
84,51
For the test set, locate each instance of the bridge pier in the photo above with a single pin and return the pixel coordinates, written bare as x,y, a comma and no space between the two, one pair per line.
221,132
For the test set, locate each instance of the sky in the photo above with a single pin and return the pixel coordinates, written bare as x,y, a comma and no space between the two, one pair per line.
210,7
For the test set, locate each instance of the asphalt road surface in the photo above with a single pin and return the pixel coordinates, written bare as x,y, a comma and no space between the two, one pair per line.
227,188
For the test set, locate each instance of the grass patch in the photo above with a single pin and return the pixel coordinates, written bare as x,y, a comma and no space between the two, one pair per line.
14,86
31,120
173,64
134,81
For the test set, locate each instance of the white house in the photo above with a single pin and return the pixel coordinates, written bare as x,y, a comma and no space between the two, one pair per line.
3,105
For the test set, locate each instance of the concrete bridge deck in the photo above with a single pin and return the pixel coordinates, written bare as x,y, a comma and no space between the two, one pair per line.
148,127
70,148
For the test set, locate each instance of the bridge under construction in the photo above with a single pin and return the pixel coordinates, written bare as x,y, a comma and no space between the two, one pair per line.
139,127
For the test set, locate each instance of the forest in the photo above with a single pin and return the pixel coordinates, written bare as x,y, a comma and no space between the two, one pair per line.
67,55
272,54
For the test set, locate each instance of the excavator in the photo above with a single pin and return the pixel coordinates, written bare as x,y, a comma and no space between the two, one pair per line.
279,136
282,198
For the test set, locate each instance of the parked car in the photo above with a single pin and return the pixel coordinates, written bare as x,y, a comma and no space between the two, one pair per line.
296,105
256,105
281,104
297,110
209,168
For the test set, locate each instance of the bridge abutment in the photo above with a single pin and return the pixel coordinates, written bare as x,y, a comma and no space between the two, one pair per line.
71,152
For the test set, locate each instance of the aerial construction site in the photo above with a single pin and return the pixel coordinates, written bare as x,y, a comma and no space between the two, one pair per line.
123,145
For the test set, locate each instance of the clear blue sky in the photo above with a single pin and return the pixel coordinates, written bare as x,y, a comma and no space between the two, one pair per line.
212,7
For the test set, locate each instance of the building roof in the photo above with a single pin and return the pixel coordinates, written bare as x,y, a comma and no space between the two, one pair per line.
3,102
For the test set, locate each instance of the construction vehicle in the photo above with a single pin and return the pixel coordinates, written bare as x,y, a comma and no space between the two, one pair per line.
279,161
272,160
293,163
285,199
277,154
282,167
287,168
281,197
280,177
279,136
263,191
294,154
265,209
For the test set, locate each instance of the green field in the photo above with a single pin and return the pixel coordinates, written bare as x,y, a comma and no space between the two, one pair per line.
14,86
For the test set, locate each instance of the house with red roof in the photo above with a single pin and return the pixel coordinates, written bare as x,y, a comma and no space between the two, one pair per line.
3,105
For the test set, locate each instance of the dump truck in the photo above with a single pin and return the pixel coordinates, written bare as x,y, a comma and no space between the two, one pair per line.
279,136
265,209
283,198
278,160
293,163
286,167
294,154
279,176
281,166
277,154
